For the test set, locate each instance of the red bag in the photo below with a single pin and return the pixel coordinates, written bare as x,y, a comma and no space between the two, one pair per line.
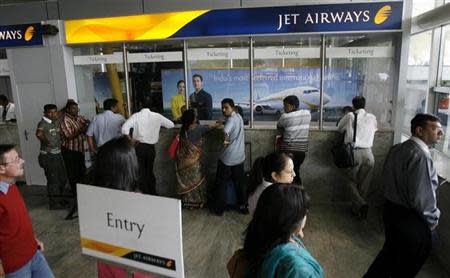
174,147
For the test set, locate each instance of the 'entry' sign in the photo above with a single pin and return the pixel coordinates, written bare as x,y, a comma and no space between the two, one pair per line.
133,229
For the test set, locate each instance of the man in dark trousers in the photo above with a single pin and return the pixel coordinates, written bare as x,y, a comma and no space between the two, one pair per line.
230,166
294,124
410,212
50,157
73,129
200,100
146,125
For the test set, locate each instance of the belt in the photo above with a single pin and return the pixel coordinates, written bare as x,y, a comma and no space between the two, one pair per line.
50,152
358,148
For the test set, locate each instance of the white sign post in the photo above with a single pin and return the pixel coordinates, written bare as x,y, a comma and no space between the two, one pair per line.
132,229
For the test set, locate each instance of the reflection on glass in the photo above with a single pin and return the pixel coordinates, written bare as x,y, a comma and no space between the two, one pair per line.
443,112
423,6
417,77
360,65
283,66
99,76
445,75
155,74
216,71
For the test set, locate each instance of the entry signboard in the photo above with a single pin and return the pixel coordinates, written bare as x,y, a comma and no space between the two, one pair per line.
20,35
132,229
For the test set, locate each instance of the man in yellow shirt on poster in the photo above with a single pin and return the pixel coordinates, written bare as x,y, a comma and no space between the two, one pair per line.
178,101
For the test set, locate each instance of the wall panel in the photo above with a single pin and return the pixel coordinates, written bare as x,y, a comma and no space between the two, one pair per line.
23,13
70,9
159,6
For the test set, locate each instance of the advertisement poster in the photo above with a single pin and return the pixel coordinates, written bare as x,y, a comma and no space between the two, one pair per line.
271,85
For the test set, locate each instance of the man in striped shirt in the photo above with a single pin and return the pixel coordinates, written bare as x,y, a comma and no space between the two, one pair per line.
295,126
73,129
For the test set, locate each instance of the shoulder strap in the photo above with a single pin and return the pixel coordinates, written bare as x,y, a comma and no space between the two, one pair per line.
354,126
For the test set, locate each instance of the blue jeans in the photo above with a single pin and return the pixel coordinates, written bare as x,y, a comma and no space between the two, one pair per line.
37,267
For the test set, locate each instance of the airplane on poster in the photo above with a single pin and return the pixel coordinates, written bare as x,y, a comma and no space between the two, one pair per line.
308,96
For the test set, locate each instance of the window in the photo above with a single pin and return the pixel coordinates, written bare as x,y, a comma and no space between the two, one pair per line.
99,76
360,65
155,71
445,73
422,6
221,69
417,84
285,65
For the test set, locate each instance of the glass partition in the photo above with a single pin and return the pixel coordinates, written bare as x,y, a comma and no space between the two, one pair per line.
422,6
445,62
417,77
218,69
360,65
286,65
155,71
99,76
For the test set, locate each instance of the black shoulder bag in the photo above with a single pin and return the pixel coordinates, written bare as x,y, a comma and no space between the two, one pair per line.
343,152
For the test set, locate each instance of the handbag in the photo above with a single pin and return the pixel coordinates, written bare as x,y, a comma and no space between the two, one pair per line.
237,266
174,147
343,152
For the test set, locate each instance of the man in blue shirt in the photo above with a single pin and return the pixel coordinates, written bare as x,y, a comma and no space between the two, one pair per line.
410,213
230,166
105,126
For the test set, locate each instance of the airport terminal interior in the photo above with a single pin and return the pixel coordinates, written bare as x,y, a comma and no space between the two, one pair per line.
326,53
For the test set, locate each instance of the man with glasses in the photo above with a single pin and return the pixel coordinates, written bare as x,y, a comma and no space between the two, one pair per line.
20,251
410,210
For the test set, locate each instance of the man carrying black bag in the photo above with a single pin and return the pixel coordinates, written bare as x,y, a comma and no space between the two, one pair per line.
361,173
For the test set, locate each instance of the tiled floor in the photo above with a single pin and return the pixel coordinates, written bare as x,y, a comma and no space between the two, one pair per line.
343,245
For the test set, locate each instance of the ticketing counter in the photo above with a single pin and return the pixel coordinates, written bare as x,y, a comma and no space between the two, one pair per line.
324,54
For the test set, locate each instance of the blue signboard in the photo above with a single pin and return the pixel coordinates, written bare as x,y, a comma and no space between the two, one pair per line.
296,19
20,35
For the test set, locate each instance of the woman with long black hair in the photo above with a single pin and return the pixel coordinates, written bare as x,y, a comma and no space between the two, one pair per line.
273,243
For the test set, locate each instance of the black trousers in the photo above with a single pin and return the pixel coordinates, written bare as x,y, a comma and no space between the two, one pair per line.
75,167
407,244
146,158
224,175
297,158
55,172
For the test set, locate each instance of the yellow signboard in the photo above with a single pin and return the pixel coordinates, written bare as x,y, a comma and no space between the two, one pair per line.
128,28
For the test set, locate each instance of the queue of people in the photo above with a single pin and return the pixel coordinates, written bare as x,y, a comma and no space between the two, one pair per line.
275,198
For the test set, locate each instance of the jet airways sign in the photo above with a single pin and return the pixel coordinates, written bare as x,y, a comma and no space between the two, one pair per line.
377,16
353,17
20,35
333,15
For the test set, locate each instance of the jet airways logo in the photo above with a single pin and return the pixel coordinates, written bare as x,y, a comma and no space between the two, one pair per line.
383,14
29,33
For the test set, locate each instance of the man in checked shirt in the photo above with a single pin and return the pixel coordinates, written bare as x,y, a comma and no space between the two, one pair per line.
73,129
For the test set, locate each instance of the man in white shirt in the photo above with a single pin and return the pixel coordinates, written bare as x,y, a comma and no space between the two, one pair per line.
361,174
105,126
146,125
7,110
